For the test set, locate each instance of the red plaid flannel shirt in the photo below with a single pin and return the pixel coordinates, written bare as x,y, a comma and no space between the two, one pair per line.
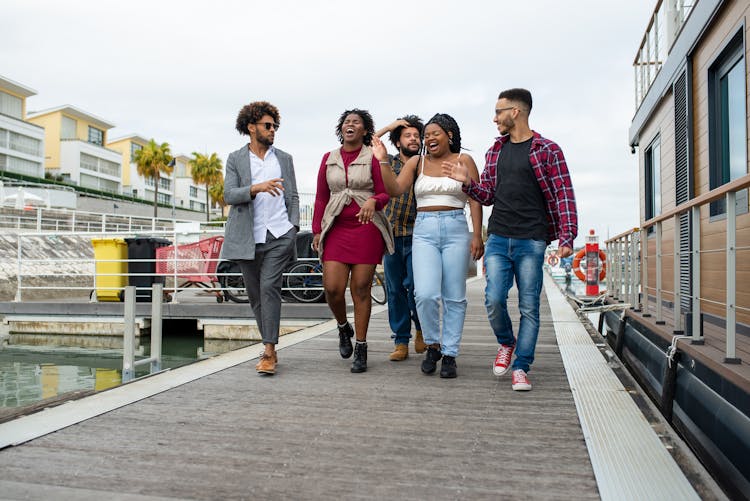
551,172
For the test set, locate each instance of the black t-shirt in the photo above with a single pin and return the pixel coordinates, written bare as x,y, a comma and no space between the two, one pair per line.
519,210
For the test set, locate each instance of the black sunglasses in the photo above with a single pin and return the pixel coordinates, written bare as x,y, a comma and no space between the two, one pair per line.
269,125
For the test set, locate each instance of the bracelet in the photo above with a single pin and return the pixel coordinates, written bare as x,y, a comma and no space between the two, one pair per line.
383,162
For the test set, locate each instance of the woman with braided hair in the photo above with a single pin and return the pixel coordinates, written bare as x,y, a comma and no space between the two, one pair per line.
441,242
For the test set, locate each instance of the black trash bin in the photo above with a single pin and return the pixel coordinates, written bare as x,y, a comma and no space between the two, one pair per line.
144,248
304,245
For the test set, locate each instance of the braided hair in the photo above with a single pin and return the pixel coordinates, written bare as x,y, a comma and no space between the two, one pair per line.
448,124
367,121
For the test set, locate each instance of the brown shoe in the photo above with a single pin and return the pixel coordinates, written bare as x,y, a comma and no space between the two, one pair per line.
401,352
266,364
419,344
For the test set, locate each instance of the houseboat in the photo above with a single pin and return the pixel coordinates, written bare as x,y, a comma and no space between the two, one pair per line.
683,276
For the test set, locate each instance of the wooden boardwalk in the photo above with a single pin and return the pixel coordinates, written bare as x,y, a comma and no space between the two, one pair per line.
316,431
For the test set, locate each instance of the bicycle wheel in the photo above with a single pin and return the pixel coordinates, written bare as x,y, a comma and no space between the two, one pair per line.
304,282
378,293
234,288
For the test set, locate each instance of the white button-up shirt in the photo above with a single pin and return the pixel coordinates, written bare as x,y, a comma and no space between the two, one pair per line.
269,211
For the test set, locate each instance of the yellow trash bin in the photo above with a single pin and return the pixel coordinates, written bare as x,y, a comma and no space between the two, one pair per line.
111,255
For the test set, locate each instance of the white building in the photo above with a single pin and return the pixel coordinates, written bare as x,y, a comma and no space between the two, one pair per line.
21,143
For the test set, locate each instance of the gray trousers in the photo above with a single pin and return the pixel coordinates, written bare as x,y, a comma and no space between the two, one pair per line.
263,281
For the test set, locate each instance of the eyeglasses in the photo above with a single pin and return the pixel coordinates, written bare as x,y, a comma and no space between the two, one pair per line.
500,110
269,125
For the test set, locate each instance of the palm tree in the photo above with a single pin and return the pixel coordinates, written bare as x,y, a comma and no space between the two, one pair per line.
216,191
152,161
205,169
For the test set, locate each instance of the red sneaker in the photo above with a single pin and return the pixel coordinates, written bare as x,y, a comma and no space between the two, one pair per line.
519,381
502,360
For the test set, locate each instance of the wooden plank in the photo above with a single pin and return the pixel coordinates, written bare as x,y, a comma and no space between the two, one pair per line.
318,431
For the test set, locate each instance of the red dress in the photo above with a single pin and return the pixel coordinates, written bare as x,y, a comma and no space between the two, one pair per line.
349,241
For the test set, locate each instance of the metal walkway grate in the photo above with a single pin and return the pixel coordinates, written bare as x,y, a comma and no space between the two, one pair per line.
629,460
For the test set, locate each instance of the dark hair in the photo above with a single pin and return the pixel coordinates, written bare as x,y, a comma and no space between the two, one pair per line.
251,113
368,123
414,121
448,124
521,95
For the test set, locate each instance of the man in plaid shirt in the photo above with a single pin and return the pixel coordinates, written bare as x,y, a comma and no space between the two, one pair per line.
526,180
406,135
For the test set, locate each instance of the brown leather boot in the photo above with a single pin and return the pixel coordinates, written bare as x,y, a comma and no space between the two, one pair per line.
266,364
419,344
400,352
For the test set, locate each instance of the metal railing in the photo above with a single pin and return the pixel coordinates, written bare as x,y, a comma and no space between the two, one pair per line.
628,259
85,274
665,24
41,219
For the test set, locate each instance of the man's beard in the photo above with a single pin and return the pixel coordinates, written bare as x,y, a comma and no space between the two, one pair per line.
408,153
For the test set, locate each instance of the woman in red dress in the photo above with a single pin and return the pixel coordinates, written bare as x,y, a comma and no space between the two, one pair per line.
350,230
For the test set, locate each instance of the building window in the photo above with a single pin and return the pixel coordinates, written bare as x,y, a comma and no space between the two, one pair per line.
653,180
11,105
133,148
24,144
68,128
163,198
728,122
98,183
92,163
25,167
96,136
194,191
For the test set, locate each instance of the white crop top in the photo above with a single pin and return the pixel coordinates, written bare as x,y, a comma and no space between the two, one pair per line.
431,191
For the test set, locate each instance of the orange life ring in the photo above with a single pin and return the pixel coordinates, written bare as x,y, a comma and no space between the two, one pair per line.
577,265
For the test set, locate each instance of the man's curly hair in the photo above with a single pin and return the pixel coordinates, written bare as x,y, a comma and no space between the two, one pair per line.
414,121
367,120
448,124
253,112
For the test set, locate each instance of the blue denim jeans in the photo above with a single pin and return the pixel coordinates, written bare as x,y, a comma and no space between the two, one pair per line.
399,283
440,250
504,260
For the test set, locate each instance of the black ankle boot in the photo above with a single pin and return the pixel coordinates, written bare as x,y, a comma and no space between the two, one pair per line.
429,364
360,357
345,340
448,367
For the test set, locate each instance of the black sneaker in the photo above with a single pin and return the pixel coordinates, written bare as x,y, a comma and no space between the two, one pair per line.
448,367
429,364
346,333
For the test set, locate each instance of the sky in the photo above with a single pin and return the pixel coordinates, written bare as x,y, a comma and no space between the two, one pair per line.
179,72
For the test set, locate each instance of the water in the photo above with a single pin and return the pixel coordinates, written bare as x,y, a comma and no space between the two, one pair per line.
29,374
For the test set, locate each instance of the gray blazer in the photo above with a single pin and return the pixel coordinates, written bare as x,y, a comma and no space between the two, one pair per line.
239,242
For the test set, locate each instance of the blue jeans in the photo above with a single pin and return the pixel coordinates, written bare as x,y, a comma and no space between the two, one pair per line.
504,260
399,283
440,250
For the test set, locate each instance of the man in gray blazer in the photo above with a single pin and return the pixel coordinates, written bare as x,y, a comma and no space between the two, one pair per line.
262,226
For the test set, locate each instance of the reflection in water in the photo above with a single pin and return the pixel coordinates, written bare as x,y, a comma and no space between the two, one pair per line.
29,374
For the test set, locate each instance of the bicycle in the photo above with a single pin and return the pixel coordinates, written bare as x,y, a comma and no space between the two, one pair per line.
304,282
